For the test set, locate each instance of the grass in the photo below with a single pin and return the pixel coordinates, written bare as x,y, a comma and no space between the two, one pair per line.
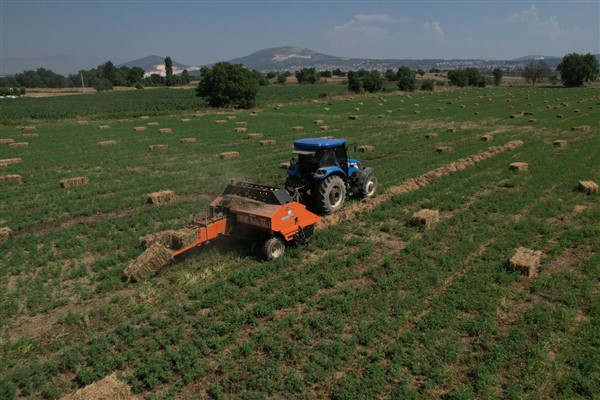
373,308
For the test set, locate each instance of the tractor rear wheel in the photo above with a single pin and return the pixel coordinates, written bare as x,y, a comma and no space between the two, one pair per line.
368,187
331,194
273,248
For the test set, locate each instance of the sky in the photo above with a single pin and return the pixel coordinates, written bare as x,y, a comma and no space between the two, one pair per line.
202,32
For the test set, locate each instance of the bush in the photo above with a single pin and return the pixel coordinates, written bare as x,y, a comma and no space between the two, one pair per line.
307,75
428,85
372,81
575,69
407,80
103,85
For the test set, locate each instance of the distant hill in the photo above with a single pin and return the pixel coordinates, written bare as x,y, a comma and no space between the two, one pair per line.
156,65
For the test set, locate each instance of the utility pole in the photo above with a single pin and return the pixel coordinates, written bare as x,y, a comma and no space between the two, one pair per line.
82,85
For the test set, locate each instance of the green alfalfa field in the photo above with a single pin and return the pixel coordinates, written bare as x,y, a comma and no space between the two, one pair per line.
374,307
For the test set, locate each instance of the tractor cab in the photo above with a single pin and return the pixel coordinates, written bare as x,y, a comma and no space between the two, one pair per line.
322,174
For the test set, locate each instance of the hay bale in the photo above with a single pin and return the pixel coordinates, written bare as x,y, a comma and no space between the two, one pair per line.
5,233
444,149
70,182
18,144
582,128
526,261
155,147
185,120
153,123
560,116
229,154
188,140
230,117
242,129
353,117
319,121
477,113
365,149
587,187
161,197
297,128
11,179
327,109
518,166
122,121
82,122
356,109
173,239
30,135
165,130
240,123
267,142
139,128
148,263
531,120
28,128
284,165
10,161
6,141
107,143
103,126
450,130
528,113
324,128
108,388
144,117
487,137
560,143
381,116
255,135
431,135
253,114
220,121
426,217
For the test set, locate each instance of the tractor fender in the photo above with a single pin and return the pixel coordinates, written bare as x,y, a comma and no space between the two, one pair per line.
363,175
324,172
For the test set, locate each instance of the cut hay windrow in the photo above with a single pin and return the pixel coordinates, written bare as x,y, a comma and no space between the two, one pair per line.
148,263
30,135
108,388
161,197
3,164
5,233
174,239
107,143
229,154
11,179
350,212
157,147
188,140
587,187
267,142
165,130
526,261
140,128
426,217
518,166
255,135
18,144
10,161
367,148
70,182
7,141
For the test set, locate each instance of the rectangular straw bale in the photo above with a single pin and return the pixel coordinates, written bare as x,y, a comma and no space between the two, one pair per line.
161,197
582,128
144,117
82,122
367,148
255,135
70,182
6,141
253,114
426,217
242,129
107,143
173,239
267,142
229,154
154,123
587,187
185,120
188,140
220,121
122,121
231,117
139,128
284,165
353,117
5,233
518,166
18,144
148,263
444,149
526,261
28,128
319,121
431,135
10,161
105,389
11,179
30,135
487,137
450,130
297,128
165,130
103,126
324,128
560,143
154,147
240,123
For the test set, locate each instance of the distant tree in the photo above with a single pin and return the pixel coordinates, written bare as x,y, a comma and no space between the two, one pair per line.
390,75
325,74
553,80
168,71
42,78
185,77
156,79
338,72
407,80
465,77
260,78
109,72
307,76
354,82
575,69
536,71
372,81
428,85
227,85
434,71
281,78
271,75
102,85
420,72
497,76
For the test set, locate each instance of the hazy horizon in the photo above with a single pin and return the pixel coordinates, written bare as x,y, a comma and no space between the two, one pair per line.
204,32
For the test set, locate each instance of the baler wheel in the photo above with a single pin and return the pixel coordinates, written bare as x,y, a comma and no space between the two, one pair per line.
273,248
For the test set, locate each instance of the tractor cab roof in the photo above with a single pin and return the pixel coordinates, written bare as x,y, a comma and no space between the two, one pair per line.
318,143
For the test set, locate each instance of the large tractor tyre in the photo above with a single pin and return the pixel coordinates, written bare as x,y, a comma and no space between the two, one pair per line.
331,194
273,248
367,187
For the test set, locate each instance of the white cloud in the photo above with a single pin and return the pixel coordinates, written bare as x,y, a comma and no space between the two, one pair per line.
364,28
435,32
530,18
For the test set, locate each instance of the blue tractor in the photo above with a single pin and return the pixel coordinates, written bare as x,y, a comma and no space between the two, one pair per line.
323,175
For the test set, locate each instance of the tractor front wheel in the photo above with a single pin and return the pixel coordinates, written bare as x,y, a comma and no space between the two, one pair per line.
331,194
273,248
368,187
